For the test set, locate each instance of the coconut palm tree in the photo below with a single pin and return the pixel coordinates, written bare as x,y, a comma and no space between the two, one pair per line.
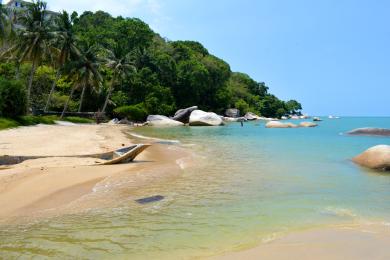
34,40
121,65
84,71
65,41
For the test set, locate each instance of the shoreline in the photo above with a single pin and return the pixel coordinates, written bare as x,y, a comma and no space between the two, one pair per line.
344,241
55,186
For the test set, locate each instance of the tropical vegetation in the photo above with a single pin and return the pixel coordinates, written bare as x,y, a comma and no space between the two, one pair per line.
117,65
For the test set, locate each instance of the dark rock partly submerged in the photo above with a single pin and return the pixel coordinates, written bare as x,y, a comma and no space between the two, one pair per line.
370,131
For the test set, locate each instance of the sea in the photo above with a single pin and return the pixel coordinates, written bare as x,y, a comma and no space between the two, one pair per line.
245,185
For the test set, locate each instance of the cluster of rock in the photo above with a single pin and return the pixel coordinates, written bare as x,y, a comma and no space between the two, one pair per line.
297,117
191,116
278,124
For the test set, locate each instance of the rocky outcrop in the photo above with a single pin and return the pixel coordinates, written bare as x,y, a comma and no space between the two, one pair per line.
377,158
234,119
232,112
317,119
183,115
370,131
251,116
277,124
307,124
202,118
157,120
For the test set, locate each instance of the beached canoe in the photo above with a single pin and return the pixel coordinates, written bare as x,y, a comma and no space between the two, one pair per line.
122,155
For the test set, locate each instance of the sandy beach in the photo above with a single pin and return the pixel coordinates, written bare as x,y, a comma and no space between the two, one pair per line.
53,185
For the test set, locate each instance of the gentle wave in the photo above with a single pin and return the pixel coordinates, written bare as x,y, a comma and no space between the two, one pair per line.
158,140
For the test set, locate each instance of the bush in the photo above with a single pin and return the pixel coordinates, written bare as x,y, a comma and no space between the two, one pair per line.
34,120
13,100
7,123
78,120
134,112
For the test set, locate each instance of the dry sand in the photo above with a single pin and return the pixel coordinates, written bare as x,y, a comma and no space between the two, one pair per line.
51,185
358,241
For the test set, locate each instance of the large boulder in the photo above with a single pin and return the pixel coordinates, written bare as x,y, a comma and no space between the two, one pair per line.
202,118
183,115
377,157
251,116
277,124
232,112
370,131
234,119
307,124
157,120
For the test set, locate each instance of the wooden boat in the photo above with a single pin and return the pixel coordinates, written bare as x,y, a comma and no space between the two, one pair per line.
122,155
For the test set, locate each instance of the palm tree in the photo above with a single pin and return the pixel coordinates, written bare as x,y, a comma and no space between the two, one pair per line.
33,43
84,71
121,65
66,43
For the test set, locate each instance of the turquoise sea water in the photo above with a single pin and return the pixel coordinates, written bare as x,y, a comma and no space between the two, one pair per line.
249,185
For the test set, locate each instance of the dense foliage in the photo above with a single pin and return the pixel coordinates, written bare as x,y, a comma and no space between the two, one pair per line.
12,98
119,65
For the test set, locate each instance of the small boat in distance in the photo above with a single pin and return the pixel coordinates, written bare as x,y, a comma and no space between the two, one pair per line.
122,155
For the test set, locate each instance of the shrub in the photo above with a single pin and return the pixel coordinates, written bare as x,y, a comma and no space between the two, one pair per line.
34,120
133,112
13,98
78,120
7,123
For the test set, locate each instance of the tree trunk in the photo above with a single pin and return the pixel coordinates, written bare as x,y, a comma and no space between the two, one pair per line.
30,81
67,102
82,97
17,71
52,90
108,95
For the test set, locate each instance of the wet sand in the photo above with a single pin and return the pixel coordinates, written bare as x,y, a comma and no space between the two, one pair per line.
49,185
355,241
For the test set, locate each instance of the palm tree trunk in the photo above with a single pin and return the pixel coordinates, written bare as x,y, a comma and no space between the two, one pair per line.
108,95
82,97
52,90
30,81
67,102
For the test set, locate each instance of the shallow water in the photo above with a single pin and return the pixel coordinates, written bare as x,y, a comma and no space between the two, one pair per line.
250,184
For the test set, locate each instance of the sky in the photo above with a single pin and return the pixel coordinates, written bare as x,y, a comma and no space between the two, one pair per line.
331,55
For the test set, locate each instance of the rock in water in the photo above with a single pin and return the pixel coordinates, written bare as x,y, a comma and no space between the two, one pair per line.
158,120
277,124
183,115
370,131
202,118
377,158
150,199
232,112
251,116
307,124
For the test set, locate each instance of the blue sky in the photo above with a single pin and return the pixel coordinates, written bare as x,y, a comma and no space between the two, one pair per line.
331,55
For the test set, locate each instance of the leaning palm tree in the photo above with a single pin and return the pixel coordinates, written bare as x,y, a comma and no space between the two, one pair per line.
65,41
33,41
121,65
84,71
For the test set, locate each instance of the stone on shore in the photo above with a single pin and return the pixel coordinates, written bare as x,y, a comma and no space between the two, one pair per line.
232,112
307,124
377,158
234,119
277,124
251,116
202,118
158,120
183,115
370,131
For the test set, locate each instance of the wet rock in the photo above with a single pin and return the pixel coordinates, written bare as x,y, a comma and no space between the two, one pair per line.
370,131
277,124
251,116
307,124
